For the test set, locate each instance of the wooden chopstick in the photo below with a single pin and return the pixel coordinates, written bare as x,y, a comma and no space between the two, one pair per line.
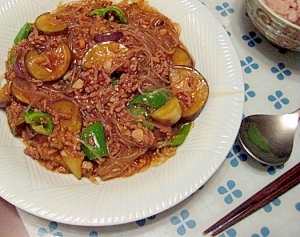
273,190
257,206
283,179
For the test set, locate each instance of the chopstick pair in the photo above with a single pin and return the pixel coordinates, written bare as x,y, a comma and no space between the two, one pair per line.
273,190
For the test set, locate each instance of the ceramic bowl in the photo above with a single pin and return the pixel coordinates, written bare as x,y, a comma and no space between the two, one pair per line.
275,28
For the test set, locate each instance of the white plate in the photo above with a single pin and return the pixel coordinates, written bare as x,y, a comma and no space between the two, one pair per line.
62,198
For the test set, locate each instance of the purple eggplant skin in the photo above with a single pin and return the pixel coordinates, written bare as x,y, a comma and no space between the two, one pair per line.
18,64
111,36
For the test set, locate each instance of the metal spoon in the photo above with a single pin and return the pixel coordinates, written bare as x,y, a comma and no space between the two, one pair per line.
269,138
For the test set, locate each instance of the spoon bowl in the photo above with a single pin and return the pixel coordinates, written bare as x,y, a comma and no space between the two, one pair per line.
269,138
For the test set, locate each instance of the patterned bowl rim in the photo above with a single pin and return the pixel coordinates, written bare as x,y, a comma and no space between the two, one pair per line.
275,15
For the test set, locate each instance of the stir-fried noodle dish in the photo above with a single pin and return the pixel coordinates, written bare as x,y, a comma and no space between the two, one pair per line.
99,89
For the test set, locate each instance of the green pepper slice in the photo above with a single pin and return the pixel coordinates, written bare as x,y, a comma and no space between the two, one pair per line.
154,99
23,33
117,11
95,132
181,135
39,121
136,111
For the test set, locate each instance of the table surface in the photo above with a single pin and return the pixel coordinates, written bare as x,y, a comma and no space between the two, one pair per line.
272,86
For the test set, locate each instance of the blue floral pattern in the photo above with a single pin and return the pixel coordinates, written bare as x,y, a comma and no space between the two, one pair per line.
297,206
231,232
142,222
236,155
272,169
229,191
278,99
248,92
51,231
93,234
224,9
252,39
281,71
182,222
248,64
276,202
264,232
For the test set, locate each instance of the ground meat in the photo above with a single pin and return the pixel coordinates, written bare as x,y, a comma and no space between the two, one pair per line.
33,152
100,90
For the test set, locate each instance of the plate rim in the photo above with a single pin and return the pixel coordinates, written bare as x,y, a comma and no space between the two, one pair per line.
5,194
